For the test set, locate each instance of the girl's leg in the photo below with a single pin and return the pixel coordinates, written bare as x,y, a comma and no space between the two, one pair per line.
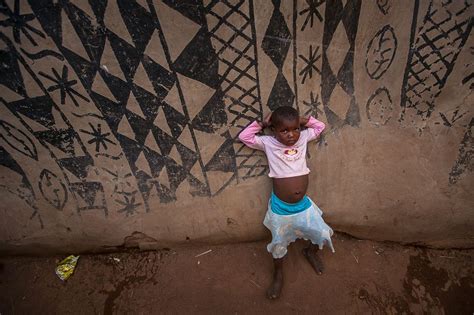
274,290
311,255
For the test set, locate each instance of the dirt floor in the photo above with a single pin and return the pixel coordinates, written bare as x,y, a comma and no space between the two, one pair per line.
362,277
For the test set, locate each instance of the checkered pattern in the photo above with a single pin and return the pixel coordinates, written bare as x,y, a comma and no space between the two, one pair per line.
445,29
239,77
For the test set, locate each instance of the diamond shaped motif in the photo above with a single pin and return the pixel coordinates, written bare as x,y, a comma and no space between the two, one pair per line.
340,102
338,48
277,39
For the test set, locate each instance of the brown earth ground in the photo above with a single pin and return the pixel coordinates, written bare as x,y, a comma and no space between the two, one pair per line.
362,277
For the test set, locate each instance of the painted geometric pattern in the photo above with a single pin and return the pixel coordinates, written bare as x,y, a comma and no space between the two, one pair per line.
340,26
151,95
148,105
233,37
276,45
171,106
309,27
22,186
58,71
36,110
444,31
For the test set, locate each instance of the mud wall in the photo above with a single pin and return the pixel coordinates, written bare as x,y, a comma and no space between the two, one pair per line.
119,119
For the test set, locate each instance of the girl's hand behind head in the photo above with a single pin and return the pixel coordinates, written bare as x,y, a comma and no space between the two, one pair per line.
304,121
267,120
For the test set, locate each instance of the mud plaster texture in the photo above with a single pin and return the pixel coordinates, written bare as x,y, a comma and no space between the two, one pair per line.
119,119
362,277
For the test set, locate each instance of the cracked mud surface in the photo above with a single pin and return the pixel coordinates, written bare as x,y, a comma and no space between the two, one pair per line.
362,277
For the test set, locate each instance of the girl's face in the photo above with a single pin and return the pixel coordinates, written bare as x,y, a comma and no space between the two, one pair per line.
287,131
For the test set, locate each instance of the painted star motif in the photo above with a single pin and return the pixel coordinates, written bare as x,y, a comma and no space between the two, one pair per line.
98,137
121,181
129,205
19,23
313,105
311,10
310,63
63,85
455,116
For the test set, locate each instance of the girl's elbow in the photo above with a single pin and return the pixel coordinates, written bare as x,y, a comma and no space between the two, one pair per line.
244,140
321,126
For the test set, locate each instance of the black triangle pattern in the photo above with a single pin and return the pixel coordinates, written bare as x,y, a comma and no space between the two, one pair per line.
224,159
7,160
139,23
192,9
145,185
63,139
281,94
176,173
165,142
49,14
197,187
161,79
345,75
77,165
140,126
92,37
131,149
188,156
166,195
10,74
176,120
332,118
155,161
127,56
38,109
212,116
328,80
92,193
353,114
120,89
111,111
199,60
98,6
85,68
148,102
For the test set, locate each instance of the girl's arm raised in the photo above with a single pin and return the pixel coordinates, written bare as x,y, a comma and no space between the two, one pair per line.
315,127
249,136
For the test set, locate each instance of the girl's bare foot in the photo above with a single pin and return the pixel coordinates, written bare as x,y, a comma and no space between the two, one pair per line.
274,290
311,255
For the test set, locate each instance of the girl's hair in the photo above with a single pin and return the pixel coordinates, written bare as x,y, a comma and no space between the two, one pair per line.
283,113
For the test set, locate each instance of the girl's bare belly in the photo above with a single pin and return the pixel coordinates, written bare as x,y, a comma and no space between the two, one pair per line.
290,189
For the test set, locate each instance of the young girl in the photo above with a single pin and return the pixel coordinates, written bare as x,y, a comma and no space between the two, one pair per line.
291,214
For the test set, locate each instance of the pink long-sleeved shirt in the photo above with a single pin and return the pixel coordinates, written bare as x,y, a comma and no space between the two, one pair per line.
284,161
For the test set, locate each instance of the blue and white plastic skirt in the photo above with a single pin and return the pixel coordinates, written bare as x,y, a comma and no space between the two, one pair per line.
308,225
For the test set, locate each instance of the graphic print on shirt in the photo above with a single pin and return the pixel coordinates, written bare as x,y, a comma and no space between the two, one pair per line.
290,154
